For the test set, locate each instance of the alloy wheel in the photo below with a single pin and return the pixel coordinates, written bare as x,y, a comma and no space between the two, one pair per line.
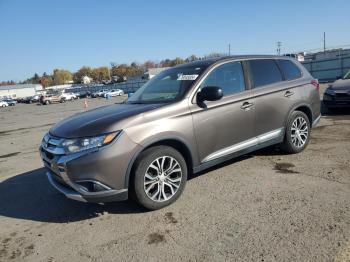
299,132
162,178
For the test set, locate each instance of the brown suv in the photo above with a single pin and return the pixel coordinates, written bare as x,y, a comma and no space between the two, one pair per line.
184,120
51,98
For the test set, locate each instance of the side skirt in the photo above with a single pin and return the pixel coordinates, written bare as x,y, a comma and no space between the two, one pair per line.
245,151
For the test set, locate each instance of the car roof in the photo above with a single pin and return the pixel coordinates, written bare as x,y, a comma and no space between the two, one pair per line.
211,61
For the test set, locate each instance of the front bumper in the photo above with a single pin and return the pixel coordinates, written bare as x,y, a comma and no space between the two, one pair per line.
96,175
336,100
98,197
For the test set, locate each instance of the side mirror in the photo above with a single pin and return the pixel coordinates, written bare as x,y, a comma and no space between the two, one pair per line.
209,93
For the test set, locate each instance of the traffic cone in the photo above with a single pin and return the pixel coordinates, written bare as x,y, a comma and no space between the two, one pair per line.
85,103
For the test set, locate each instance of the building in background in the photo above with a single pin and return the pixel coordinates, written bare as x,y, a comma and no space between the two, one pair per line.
86,80
20,91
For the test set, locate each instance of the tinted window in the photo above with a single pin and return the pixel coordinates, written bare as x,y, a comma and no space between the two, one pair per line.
229,77
168,86
264,72
289,69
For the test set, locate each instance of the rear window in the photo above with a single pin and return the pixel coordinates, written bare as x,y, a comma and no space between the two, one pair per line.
264,72
289,69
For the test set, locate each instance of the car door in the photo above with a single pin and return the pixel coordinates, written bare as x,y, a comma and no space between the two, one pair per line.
273,96
225,126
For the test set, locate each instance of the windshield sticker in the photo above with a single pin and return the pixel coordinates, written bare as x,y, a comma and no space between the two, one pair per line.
183,77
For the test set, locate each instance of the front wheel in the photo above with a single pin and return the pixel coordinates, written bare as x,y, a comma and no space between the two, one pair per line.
297,135
160,175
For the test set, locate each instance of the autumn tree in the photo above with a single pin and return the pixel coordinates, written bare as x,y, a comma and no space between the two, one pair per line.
33,80
100,73
126,70
191,58
149,64
7,83
61,76
84,71
46,80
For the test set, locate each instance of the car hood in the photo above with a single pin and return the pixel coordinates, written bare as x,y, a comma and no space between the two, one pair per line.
99,121
341,84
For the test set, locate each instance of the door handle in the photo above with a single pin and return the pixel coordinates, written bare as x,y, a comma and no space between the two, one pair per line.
246,105
288,93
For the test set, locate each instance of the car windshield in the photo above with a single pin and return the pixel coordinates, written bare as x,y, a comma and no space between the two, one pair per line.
347,75
168,86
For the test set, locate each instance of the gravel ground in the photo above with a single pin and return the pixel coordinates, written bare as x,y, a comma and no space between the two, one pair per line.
265,206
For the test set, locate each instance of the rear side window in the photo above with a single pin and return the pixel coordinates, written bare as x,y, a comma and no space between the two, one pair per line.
289,69
264,72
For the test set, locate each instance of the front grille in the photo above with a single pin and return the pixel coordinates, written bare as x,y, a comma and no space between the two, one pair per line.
51,150
52,146
342,95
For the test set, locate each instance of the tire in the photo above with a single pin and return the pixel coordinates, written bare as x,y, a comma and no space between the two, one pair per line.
294,143
143,188
47,102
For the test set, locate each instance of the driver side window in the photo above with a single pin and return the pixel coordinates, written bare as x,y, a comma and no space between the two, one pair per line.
229,77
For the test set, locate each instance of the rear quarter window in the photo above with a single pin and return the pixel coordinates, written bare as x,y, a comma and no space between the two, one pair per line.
264,72
289,69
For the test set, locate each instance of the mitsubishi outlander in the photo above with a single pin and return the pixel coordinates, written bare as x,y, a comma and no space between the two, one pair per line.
184,120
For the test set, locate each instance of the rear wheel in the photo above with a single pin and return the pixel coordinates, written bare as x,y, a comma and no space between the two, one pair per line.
160,176
297,133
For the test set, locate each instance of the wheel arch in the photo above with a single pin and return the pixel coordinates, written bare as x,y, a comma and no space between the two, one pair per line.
303,107
174,142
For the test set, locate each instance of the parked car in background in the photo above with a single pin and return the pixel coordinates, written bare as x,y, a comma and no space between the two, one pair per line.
10,101
69,96
51,99
3,103
119,79
84,94
114,92
107,82
35,99
337,95
99,93
184,120
27,100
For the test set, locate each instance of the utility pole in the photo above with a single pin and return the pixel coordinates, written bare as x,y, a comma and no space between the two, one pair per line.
229,49
279,44
324,42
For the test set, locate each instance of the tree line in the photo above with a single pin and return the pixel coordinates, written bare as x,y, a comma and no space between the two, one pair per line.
103,73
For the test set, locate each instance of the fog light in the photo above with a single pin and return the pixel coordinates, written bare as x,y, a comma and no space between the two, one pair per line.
92,186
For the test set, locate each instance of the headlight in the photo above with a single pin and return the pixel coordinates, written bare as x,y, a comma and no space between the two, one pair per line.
80,144
326,97
329,90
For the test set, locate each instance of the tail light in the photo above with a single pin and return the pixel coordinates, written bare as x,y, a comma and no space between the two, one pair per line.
315,83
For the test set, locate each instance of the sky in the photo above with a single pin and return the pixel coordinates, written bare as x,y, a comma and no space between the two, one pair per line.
38,36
